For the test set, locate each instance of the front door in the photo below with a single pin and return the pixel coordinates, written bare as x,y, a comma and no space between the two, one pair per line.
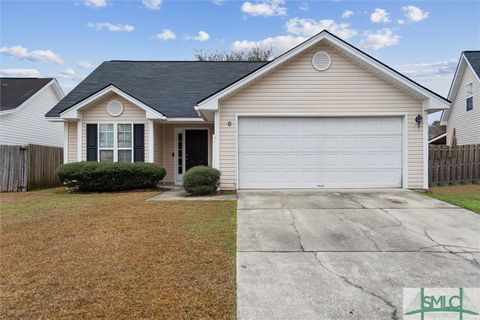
196,148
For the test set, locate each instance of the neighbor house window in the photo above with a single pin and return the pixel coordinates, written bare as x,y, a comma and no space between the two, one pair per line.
469,96
115,142
106,142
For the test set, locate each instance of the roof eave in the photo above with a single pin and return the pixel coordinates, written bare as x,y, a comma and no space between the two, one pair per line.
73,112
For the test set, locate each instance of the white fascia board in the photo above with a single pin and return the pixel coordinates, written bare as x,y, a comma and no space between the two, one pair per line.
185,120
438,137
212,102
73,112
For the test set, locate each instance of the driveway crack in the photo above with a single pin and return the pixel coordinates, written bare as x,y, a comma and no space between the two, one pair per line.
445,246
394,314
363,230
296,230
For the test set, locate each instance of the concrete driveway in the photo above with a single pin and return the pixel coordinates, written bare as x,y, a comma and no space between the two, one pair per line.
348,254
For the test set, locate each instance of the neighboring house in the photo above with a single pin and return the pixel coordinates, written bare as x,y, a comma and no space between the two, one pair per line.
463,117
23,104
437,134
322,115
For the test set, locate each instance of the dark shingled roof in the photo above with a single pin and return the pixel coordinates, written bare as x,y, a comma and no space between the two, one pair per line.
15,91
171,87
473,58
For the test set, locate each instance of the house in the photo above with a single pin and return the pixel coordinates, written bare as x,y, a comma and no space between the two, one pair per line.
322,115
463,117
437,133
23,104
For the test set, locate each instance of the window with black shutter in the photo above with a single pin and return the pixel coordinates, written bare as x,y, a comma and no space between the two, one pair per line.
92,142
139,142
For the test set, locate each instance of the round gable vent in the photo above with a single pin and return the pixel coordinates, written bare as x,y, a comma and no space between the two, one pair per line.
321,61
114,108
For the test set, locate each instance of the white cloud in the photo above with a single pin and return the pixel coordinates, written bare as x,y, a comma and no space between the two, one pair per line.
379,39
379,15
303,6
310,27
217,2
265,9
84,64
347,14
202,36
166,35
429,70
69,72
401,21
111,27
278,44
35,55
96,3
415,14
152,4
29,73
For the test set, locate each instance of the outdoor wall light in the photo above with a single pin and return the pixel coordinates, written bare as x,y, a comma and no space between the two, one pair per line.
418,120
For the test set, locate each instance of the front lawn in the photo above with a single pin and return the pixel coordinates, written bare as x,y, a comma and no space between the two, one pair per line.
466,196
115,256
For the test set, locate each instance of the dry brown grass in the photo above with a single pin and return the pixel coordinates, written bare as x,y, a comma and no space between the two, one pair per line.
115,256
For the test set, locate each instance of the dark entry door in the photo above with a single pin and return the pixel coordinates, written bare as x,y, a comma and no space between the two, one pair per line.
196,149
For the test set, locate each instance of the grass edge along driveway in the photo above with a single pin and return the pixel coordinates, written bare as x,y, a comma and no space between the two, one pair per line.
464,195
115,255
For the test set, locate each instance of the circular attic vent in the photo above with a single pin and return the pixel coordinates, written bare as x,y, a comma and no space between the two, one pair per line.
114,108
321,61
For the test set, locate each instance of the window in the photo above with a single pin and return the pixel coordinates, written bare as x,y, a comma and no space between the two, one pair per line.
115,142
469,96
106,142
124,142
180,152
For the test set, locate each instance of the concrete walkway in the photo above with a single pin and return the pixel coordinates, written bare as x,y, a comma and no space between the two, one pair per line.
348,254
178,194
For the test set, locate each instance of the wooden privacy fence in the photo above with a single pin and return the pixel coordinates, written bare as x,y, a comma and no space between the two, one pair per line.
29,167
453,164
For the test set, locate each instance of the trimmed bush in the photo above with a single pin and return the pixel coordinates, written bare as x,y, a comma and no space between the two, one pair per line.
201,180
101,176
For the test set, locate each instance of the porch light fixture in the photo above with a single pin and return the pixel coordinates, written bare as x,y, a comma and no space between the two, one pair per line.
418,120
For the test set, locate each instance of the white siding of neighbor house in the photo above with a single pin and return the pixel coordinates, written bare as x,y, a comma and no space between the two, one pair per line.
28,124
164,141
297,87
96,113
466,123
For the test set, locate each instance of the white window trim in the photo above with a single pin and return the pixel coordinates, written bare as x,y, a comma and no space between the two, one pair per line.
115,148
468,96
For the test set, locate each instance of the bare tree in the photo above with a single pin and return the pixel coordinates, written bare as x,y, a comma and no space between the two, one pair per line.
254,54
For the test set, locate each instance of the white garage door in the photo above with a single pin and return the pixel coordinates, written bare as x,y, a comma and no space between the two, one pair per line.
355,152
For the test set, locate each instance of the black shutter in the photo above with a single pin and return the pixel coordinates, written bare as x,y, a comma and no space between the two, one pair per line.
92,142
138,142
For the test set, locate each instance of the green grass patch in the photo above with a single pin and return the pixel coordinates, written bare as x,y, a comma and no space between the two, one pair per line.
465,196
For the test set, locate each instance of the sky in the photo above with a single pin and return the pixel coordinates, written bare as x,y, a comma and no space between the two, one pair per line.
68,39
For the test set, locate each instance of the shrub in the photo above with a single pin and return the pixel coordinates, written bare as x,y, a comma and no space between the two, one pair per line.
201,180
101,176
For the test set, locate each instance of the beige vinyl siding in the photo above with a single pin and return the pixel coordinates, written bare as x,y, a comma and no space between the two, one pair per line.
296,87
164,154
158,143
466,123
72,141
97,113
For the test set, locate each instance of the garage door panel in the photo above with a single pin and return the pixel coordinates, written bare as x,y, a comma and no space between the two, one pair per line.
320,152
